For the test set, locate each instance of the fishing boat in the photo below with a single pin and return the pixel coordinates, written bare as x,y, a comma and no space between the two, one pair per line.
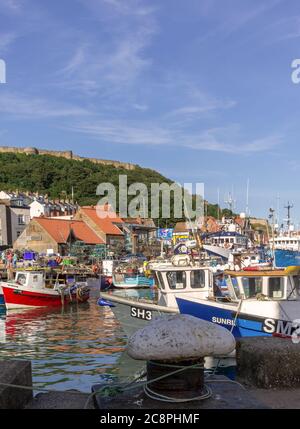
179,278
257,302
130,276
286,250
131,281
44,289
222,243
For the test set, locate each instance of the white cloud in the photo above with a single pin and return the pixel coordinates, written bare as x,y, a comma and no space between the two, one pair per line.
141,107
232,19
130,7
195,110
97,65
119,132
228,140
137,133
14,6
6,39
28,107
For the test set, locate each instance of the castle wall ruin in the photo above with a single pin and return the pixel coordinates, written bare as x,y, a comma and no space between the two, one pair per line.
68,154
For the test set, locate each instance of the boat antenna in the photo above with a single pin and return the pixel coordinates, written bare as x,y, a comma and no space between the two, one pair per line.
271,216
197,239
230,201
288,221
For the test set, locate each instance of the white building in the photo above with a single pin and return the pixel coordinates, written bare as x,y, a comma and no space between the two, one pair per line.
39,208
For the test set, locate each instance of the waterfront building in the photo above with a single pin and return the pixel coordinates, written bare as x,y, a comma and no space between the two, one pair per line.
13,220
52,235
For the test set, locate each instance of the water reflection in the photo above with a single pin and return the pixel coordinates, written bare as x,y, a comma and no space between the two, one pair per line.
70,348
75,347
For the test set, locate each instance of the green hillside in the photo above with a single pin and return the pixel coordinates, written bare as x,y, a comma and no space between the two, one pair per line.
56,176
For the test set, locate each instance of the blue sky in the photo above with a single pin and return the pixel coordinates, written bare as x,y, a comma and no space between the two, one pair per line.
199,90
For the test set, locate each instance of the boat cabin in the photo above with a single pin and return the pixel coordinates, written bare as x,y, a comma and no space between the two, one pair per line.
34,279
269,285
49,280
285,242
227,239
177,281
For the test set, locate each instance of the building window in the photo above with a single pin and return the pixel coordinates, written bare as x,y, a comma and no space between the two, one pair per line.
21,220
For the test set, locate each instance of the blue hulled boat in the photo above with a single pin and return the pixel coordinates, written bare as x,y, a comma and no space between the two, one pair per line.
256,303
128,281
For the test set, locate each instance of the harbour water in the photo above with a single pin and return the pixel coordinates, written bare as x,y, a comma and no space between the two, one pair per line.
72,348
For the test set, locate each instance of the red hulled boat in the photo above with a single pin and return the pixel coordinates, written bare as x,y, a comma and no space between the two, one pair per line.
40,289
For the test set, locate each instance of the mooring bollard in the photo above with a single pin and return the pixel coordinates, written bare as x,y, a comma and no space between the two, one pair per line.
175,347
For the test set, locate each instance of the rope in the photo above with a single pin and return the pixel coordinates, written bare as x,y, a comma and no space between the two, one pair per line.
231,329
112,389
115,388
118,387
163,398
40,389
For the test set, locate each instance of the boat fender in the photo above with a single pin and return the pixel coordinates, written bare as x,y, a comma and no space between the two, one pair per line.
102,303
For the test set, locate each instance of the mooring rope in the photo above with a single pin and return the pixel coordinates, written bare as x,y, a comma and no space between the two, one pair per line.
112,389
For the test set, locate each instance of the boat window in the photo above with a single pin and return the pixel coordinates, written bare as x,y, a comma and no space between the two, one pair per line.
197,279
176,279
160,280
35,278
21,278
252,286
297,284
235,286
276,287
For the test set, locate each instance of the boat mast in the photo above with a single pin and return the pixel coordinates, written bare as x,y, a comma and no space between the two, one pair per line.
288,221
272,217
230,201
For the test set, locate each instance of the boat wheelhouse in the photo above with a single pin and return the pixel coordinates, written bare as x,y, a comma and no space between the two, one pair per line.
286,242
222,243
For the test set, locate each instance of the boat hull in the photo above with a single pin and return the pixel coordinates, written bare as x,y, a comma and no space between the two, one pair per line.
20,298
241,324
132,314
286,258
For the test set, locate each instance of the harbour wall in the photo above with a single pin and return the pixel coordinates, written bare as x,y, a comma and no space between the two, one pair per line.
68,154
